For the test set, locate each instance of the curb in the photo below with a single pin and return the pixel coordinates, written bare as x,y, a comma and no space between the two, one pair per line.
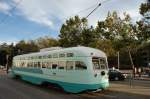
145,79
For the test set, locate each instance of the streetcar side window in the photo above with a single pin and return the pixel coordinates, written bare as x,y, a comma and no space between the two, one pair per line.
62,55
40,57
49,56
43,65
35,64
69,54
22,64
48,65
69,65
39,65
45,57
54,65
55,55
80,65
30,64
62,65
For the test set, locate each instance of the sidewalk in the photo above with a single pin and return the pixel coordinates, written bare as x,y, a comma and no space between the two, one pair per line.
2,72
132,90
142,78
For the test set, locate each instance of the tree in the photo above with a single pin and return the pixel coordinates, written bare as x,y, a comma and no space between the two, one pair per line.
23,47
144,24
144,7
6,50
88,37
46,42
76,32
120,32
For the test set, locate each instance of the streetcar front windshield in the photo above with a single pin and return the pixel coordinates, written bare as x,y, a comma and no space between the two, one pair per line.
99,63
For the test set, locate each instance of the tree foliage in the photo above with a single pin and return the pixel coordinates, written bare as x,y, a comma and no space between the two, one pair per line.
76,32
143,26
144,7
24,47
45,42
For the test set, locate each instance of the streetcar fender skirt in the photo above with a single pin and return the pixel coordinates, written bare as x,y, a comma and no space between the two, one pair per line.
34,80
77,88
68,87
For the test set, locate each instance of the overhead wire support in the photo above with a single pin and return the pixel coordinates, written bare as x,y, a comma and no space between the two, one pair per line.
93,10
96,8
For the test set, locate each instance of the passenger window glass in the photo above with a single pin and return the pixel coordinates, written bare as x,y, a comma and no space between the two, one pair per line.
54,65
40,57
49,65
69,54
99,63
35,64
96,64
80,65
49,56
43,65
69,65
30,64
55,55
103,63
39,65
62,65
103,66
44,57
61,55
22,64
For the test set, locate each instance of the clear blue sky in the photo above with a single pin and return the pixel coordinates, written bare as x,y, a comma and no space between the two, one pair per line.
37,18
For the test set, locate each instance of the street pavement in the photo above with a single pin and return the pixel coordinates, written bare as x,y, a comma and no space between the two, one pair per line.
18,89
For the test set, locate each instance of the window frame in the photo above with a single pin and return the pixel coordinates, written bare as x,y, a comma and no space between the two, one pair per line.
64,67
60,55
54,63
55,55
70,54
70,66
82,65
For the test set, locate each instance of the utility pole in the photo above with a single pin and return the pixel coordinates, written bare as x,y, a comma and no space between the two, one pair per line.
7,67
118,60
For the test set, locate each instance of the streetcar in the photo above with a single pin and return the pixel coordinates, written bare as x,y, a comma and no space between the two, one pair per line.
75,69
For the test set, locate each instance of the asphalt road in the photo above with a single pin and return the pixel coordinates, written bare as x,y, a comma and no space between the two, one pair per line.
18,89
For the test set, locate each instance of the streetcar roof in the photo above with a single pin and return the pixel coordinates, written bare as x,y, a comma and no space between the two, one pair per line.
77,51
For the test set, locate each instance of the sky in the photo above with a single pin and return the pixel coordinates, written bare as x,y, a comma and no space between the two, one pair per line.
31,19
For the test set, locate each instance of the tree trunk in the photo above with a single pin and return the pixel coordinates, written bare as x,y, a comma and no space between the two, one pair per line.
132,64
